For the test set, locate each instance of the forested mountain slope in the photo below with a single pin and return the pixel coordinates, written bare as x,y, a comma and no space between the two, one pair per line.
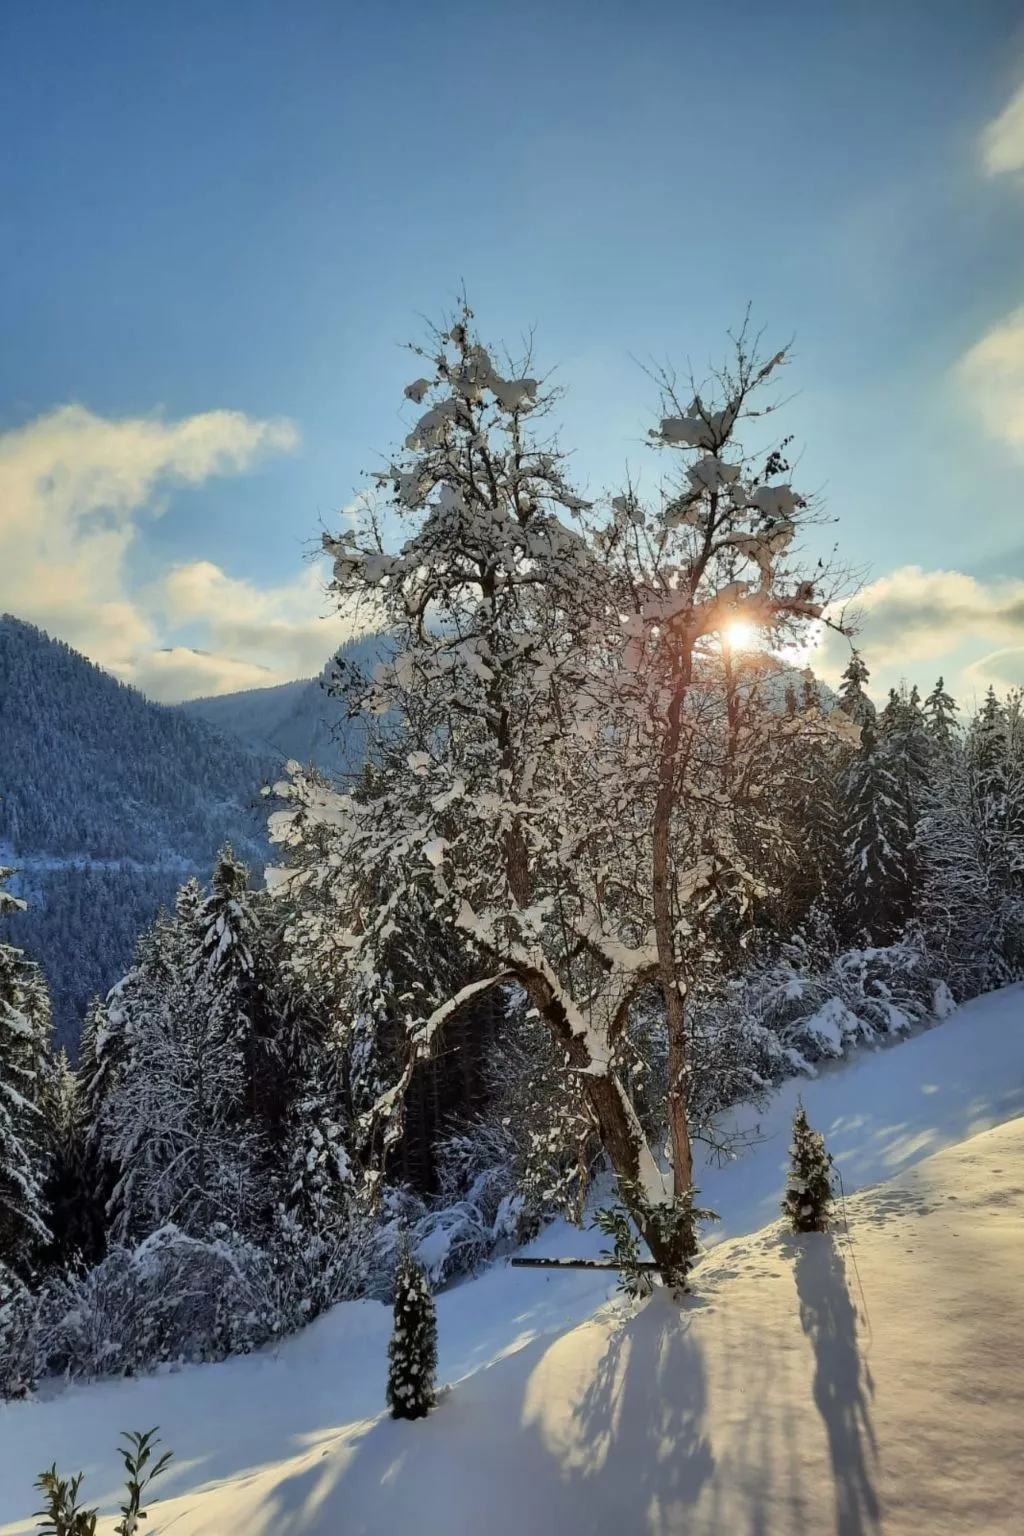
107,803
296,720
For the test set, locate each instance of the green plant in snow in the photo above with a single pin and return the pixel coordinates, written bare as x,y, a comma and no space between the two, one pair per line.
64,1516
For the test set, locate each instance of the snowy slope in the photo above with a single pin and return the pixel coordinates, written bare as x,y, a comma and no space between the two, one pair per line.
806,1387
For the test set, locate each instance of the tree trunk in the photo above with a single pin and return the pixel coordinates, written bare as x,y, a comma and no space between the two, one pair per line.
622,1135
678,1120
668,971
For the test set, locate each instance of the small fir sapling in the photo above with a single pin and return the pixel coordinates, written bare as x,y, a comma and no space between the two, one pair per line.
808,1199
412,1352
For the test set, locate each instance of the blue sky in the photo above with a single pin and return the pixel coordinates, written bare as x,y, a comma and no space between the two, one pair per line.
220,222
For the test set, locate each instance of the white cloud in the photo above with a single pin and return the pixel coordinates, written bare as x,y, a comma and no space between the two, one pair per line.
75,488
992,373
180,672
916,623
1002,143
281,632
918,615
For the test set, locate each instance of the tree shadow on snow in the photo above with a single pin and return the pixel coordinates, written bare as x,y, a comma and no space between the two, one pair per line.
532,1443
842,1382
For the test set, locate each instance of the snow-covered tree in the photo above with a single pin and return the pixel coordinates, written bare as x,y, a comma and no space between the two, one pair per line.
24,1052
173,1122
412,1352
853,698
807,1203
972,841
559,772
910,758
16,1353
76,1212
807,790
318,1175
225,922
877,839
940,713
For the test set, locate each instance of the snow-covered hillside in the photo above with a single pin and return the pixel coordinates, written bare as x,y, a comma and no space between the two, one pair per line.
866,1380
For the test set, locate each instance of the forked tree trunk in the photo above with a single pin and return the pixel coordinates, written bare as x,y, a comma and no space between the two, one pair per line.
621,1133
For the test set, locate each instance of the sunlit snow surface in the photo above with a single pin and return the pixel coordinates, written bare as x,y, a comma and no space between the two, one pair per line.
851,1383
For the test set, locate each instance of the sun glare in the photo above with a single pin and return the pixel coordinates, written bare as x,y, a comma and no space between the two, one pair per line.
740,637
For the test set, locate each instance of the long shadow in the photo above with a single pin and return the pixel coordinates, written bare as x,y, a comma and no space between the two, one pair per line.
645,1412
842,1383
515,1448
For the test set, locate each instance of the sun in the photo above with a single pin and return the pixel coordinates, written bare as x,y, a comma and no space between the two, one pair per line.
739,636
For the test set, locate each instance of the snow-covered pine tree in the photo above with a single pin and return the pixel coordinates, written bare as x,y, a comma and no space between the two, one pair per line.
77,1216
16,1344
224,967
877,845
174,1121
24,1053
908,754
807,1203
940,715
317,1173
412,1351
808,788
853,699
973,844
225,925
559,769
101,1059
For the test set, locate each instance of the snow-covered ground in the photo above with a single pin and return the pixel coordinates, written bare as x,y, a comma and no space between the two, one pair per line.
861,1381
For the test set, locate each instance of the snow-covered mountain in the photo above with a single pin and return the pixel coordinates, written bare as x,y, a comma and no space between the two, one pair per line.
861,1381
107,803
295,720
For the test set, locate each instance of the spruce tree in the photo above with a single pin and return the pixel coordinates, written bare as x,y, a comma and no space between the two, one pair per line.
908,755
852,697
877,845
939,710
77,1216
412,1352
814,810
224,967
24,1049
973,847
173,1122
807,1203
225,923
989,750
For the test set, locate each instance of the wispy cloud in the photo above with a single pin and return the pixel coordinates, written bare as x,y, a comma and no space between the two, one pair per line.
1001,669
991,374
1002,142
75,490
